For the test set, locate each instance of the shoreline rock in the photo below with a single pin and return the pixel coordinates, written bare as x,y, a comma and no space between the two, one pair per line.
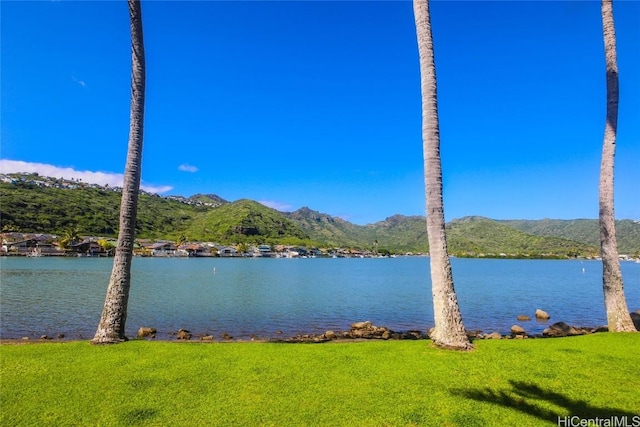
542,315
561,329
517,330
183,334
145,332
359,331
635,318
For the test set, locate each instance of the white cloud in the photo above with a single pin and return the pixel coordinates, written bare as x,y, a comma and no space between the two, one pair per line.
101,178
187,168
80,82
282,207
156,189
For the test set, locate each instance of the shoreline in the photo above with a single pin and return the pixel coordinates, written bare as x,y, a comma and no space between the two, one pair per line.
358,332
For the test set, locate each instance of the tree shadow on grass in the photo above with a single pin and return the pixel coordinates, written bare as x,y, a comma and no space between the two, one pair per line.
138,416
533,400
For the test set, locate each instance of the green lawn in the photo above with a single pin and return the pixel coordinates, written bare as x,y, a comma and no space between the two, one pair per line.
374,383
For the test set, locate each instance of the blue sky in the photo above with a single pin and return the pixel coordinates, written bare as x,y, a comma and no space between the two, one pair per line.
317,103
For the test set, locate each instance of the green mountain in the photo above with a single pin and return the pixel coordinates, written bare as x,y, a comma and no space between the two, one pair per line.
208,199
28,207
582,230
245,221
470,236
47,205
399,232
477,235
325,229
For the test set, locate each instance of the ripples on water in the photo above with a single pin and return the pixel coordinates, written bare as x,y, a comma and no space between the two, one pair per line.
263,296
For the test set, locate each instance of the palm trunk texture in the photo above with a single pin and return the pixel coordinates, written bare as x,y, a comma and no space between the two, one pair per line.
449,330
111,328
618,317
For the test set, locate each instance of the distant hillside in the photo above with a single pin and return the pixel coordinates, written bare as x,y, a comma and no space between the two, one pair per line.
406,233
398,233
209,198
244,220
29,208
471,236
582,230
324,228
45,205
478,235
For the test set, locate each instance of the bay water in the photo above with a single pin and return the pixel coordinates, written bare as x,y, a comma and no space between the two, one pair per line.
282,297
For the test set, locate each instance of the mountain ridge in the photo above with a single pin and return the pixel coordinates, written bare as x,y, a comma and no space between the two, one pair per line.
207,217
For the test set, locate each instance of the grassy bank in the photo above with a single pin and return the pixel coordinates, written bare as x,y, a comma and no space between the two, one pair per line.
400,383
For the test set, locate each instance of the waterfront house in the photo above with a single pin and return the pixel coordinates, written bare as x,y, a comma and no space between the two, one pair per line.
227,251
194,250
87,247
264,251
20,246
33,246
162,249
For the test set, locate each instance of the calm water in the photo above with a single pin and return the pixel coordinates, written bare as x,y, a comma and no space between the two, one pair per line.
262,296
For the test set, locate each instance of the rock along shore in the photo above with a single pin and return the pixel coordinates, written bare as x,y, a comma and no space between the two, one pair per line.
361,331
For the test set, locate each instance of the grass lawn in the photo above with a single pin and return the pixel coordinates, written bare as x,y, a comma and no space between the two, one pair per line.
374,383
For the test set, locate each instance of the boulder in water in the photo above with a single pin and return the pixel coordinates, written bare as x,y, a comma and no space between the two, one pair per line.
542,315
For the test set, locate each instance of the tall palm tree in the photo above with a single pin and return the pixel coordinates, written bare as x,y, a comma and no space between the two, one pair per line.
449,329
618,317
111,328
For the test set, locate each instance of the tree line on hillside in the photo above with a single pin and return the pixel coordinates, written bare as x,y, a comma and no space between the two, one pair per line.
94,212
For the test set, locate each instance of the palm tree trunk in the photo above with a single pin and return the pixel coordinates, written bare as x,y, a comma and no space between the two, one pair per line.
111,328
449,329
618,317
